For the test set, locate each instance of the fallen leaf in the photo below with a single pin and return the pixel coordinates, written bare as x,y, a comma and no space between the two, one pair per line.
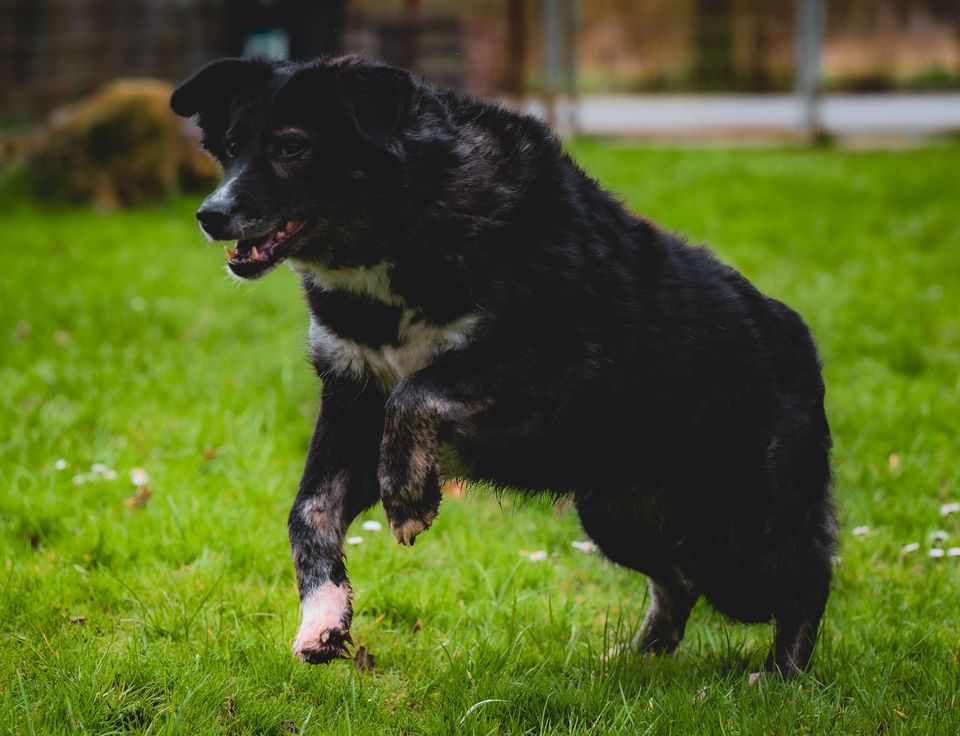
363,660
894,461
455,488
139,498
78,619
700,696
288,727
563,505
900,713
417,626
231,708
209,453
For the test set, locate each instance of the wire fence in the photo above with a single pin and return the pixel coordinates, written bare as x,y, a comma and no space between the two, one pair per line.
52,51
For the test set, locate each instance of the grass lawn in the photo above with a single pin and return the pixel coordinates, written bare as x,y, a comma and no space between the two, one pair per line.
122,342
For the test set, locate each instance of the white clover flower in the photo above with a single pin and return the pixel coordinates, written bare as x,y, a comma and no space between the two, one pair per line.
61,464
371,526
953,552
949,508
139,477
587,546
536,556
936,552
940,536
354,540
79,479
861,531
98,468
908,548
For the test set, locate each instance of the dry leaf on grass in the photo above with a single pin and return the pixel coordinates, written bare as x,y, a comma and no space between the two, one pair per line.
455,488
363,659
78,619
139,498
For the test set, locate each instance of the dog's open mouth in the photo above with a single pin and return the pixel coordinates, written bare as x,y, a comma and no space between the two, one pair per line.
255,256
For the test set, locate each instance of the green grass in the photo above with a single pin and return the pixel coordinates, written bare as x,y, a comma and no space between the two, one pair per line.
122,342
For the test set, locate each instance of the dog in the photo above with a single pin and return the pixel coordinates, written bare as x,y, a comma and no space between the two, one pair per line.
481,308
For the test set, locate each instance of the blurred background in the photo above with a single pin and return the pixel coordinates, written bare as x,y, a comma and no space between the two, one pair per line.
616,67
157,413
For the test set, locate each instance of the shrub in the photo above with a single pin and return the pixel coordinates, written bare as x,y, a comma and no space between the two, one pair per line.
120,147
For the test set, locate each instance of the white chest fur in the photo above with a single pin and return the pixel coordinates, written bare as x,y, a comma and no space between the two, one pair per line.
418,342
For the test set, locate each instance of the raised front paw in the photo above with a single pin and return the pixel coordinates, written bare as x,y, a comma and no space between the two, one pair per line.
325,629
410,491
406,525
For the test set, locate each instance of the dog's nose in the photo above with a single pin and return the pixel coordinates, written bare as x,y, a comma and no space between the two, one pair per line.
213,220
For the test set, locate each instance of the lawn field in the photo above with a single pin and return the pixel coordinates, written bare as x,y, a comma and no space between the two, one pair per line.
172,610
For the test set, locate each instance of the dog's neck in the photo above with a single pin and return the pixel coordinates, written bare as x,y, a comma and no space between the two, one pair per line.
369,281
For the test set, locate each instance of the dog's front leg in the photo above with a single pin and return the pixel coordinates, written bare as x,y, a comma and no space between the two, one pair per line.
409,472
339,482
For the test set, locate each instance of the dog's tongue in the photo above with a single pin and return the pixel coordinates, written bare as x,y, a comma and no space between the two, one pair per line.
261,249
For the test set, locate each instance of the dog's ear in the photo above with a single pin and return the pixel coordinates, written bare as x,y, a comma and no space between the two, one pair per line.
212,86
376,100
354,95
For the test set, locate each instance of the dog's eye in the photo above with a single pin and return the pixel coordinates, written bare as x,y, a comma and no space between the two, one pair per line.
231,147
290,148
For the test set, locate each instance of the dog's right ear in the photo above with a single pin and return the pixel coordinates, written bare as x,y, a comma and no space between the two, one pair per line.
213,85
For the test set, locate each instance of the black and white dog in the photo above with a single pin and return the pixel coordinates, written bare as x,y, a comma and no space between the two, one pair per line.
481,307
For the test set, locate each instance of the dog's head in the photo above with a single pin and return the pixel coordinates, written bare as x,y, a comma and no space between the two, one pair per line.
310,152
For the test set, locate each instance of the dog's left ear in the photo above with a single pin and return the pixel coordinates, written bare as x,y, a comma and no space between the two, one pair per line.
213,85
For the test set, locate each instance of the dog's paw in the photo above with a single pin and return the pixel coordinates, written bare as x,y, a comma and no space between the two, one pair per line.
329,645
406,527
325,630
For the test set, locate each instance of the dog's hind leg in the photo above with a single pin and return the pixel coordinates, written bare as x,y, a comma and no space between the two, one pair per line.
797,617
672,597
629,539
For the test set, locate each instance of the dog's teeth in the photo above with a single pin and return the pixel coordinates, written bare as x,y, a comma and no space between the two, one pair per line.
231,254
253,253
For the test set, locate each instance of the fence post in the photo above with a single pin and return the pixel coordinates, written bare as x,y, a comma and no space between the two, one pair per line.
560,64
809,42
